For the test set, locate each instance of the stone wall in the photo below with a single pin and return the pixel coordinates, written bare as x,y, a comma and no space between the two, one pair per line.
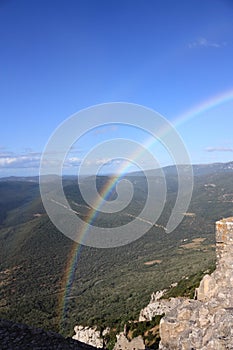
207,322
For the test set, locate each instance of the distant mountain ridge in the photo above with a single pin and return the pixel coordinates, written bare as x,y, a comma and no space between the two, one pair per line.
198,169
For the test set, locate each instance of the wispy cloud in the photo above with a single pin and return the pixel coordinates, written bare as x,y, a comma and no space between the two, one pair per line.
219,149
203,42
98,161
71,162
106,162
11,160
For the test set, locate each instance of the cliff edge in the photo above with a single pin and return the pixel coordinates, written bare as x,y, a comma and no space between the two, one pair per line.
205,323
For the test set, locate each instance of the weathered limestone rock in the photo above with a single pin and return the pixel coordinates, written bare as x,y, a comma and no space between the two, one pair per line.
158,306
124,344
207,288
87,335
205,323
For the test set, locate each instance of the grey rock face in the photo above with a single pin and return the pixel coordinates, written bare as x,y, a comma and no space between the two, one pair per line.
87,335
207,322
158,306
124,344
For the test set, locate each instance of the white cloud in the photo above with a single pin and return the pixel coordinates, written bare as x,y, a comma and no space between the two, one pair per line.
98,161
11,160
5,161
72,162
203,42
31,160
104,161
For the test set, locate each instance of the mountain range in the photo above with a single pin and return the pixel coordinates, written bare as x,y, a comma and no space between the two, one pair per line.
49,281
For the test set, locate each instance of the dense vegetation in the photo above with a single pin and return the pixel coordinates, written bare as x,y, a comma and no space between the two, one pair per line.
149,330
109,286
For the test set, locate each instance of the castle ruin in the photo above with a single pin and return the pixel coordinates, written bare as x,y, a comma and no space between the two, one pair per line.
206,323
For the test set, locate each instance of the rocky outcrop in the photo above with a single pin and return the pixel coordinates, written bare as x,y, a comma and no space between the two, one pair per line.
87,335
15,336
158,306
123,343
207,322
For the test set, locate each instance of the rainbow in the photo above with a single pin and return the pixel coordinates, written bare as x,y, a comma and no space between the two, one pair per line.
76,248
72,262
204,106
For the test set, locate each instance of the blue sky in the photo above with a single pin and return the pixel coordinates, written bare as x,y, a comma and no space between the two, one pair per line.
58,57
